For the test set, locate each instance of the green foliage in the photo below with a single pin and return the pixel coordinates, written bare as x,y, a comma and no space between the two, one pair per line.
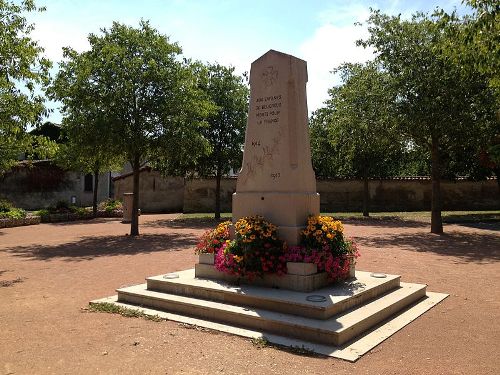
131,90
481,39
110,205
436,98
14,213
5,205
44,214
440,105
360,122
23,69
8,211
225,132
111,308
325,157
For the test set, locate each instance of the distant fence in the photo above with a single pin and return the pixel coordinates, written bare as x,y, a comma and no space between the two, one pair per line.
174,194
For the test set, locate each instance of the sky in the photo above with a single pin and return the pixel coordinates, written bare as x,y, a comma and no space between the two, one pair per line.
231,32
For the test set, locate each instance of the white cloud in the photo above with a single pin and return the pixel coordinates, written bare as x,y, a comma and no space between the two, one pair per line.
330,46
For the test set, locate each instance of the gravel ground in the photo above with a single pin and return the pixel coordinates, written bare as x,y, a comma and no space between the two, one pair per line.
49,272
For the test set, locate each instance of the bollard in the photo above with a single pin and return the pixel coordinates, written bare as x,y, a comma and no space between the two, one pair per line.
128,200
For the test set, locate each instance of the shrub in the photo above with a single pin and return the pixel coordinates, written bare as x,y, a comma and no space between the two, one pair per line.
5,205
14,213
110,205
62,205
44,214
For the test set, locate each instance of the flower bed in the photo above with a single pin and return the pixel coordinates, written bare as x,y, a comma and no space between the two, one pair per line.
256,250
323,243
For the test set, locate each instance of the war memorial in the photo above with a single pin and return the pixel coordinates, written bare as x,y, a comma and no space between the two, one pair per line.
297,304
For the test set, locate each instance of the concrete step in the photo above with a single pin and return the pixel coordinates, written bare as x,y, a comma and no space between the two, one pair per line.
338,297
334,331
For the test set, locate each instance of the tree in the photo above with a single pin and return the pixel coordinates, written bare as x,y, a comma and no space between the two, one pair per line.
22,70
89,146
440,104
359,124
482,38
88,150
148,103
225,132
324,157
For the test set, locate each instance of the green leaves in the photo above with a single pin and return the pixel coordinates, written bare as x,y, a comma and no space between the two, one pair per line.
22,70
358,122
130,97
227,119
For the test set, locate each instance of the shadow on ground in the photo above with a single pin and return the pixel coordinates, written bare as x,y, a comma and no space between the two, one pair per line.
494,226
386,222
89,248
470,247
98,220
189,223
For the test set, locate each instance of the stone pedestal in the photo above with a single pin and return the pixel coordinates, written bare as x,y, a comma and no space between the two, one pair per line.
277,180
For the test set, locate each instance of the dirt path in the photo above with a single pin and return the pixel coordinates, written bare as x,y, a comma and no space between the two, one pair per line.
49,272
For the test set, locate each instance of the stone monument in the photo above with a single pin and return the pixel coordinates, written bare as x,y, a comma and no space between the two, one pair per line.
277,180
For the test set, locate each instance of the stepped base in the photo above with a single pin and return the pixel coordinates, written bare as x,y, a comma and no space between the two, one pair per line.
329,318
339,297
351,351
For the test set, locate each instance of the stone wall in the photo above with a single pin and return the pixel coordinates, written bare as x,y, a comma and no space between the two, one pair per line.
157,193
347,195
199,195
41,184
407,195
173,194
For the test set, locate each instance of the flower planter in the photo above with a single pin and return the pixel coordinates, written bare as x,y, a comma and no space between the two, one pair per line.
352,267
206,258
300,268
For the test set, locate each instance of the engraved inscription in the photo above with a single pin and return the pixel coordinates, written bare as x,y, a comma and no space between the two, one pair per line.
268,109
256,143
275,175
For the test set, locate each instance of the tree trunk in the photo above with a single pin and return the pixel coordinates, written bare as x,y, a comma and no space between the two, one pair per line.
218,177
366,193
94,199
134,225
436,219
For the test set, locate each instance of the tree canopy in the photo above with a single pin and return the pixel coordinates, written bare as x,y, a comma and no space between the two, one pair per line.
149,106
23,69
360,124
440,105
225,132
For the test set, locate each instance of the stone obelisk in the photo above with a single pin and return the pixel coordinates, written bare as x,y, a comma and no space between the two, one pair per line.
277,180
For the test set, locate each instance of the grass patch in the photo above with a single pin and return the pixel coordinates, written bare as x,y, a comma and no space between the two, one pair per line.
424,216
260,342
111,308
204,215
